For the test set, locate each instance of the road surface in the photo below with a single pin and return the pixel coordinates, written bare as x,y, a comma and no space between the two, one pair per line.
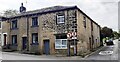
18,56
111,53
95,56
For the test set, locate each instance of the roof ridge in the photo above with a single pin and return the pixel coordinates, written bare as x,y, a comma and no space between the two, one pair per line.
44,10
50,7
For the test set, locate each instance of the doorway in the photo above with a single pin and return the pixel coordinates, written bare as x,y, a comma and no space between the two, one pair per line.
46,47
24,42
5,39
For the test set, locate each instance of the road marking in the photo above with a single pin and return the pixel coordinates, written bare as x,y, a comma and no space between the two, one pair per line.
106,52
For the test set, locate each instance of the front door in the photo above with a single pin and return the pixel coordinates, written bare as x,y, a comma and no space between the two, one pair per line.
5,38
46,47
24,39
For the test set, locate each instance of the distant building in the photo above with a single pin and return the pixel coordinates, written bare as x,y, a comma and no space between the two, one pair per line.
45,31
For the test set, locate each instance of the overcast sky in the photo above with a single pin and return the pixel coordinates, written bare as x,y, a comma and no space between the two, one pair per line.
104,12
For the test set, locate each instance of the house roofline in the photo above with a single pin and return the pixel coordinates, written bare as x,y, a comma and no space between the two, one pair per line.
88,16
39,13
2,18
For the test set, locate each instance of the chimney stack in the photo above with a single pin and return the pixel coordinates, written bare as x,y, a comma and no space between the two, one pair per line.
22,8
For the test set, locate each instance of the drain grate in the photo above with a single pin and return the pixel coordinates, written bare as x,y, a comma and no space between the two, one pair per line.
106,52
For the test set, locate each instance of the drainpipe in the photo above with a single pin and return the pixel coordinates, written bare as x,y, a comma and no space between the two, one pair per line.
10,37
1,34
75,42
27,33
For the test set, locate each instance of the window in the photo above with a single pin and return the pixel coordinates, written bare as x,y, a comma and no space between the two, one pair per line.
35,38
60,19
61,44
14,39
84,21
35,21
0,24
0,40
14,24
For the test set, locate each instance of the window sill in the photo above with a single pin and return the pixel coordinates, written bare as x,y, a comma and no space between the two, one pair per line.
60,23
14,28
61,48
34,44
14,45
34,26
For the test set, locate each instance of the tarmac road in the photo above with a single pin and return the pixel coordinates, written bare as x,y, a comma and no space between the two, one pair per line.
106,56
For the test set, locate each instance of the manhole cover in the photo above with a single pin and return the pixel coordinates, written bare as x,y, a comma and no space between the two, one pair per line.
106,52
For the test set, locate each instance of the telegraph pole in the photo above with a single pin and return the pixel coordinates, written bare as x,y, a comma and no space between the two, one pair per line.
68,35
74,35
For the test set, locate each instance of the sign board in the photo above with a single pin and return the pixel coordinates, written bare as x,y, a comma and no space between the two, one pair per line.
74,37
74,33
69,35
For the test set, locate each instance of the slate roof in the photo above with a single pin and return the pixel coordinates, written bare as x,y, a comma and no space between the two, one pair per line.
49,10
2,18
45,10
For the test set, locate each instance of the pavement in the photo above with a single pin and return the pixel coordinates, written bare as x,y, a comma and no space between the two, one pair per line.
119,51
18,56
93,56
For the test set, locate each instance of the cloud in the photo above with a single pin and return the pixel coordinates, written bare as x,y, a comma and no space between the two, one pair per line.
104,12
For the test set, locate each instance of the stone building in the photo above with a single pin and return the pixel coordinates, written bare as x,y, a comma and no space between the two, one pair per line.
45,31
4,31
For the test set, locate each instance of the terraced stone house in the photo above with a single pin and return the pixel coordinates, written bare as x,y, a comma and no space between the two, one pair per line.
45,31
4,30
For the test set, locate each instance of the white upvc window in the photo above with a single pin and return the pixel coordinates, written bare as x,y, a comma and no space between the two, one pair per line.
60,19
61,44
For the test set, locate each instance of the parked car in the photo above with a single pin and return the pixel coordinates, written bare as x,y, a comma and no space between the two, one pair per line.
119,39
110,42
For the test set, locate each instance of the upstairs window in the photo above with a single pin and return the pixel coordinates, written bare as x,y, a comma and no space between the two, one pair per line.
35,38
35,21
60,19
14,24
14,39
84,21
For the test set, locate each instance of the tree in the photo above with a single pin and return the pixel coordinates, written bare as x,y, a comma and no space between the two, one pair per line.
0,14
119,34
10,13
107,32
116,34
